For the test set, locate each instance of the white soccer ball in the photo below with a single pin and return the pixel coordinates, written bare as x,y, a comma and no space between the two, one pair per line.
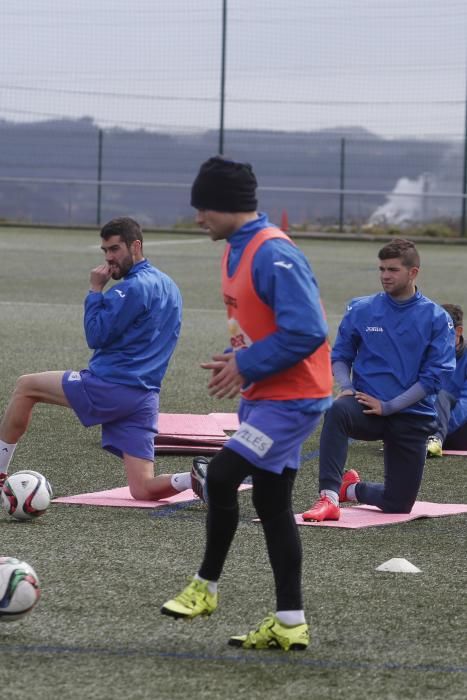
19,588
26,495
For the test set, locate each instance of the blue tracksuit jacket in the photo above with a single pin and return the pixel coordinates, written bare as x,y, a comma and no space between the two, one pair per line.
392,345
133,327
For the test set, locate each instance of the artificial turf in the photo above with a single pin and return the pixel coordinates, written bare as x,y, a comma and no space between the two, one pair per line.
97,631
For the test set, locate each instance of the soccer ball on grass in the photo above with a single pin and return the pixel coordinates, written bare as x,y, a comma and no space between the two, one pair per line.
26,495
19,589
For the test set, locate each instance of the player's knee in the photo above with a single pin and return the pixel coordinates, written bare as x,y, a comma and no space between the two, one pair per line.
339,415
397,505
269,513
24,385
338,409
214,473
141,492
221,481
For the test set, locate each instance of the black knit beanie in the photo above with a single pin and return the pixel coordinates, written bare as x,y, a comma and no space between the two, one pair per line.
224,185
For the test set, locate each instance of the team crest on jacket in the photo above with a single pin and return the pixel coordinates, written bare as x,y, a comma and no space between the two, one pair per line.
238,337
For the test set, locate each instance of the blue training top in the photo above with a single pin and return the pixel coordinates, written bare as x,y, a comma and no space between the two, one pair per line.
284,280
133,327
456,385
392,345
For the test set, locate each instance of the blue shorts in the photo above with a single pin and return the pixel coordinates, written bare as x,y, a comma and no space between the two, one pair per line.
271,436
128,415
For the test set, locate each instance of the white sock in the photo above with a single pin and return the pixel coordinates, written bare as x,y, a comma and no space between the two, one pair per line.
350,493
291,617
181,482
6,455
212,585
332,495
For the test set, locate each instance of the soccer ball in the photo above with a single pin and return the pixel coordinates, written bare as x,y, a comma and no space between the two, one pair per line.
26,495
19,588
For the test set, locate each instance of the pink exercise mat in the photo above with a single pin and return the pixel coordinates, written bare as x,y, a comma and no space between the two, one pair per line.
196,425
121,497
354,517
191,433
227,421
187,448
191,425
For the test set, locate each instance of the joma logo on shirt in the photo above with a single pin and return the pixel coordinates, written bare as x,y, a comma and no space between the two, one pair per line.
374,329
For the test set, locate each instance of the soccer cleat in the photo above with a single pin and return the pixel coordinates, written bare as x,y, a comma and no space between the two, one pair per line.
434,447
194,600
273,634
198,477
350,477
323,509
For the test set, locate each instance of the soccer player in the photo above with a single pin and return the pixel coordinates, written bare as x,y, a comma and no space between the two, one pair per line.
279,360
451,402
390,356
132,328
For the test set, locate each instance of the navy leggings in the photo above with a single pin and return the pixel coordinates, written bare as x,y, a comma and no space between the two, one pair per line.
404,437
272,498
457,440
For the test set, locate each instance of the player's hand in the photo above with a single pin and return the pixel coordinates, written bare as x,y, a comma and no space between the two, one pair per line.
226,380
373,406
99,277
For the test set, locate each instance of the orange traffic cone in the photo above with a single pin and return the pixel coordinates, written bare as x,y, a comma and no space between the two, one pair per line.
284,222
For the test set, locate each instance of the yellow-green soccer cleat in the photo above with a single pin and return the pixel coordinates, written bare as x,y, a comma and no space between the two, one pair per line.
434,447
272,634
194,600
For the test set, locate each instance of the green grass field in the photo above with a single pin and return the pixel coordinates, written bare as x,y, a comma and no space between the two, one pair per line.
97,631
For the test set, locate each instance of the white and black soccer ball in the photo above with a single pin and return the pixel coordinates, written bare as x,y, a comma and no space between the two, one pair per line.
26,495
19,589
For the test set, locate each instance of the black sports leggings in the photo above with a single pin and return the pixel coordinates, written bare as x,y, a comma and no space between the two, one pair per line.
272,498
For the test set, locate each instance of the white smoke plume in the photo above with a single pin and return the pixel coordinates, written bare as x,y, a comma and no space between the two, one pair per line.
408,203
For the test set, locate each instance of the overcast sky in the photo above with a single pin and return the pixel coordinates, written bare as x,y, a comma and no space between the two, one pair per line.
395,67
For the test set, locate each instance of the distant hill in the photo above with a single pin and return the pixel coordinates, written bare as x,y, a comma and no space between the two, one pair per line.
68,150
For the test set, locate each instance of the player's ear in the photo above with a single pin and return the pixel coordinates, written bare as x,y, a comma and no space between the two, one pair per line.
136,247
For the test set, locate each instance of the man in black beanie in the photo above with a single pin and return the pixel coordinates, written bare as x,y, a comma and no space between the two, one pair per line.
225,186
279,361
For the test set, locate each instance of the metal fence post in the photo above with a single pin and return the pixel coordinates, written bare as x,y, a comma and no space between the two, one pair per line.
341,185
100,137
222,93
463,231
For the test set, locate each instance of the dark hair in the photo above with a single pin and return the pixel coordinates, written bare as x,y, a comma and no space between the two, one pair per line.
403,249
128,229
455,313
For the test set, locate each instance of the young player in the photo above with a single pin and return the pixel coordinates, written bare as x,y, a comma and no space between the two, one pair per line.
280,362
390,356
